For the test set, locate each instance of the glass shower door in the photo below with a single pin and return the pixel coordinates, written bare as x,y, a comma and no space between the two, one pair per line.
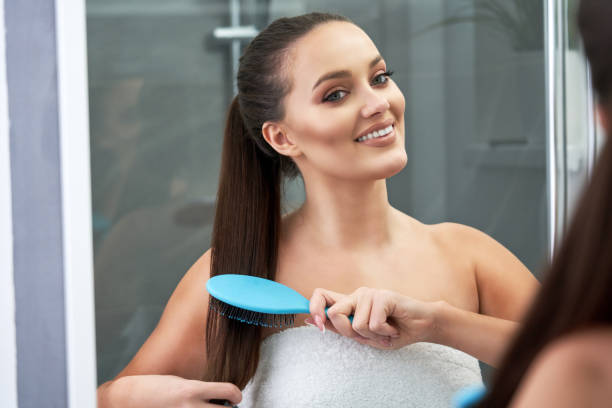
159,85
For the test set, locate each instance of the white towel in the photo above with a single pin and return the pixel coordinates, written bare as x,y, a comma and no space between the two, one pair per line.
302,367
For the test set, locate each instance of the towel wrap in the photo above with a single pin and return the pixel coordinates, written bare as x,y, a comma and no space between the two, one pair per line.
302,367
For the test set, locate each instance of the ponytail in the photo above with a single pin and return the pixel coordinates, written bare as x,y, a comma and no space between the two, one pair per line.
248,213
244,241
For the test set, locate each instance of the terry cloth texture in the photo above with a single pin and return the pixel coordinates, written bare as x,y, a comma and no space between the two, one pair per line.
302,367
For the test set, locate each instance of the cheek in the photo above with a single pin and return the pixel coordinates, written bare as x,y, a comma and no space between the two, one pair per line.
397,102
324,128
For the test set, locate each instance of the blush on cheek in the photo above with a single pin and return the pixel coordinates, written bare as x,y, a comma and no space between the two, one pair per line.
400,105
397,101
327,135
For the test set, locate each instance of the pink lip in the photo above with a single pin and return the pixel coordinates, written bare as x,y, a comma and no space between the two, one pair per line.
382,141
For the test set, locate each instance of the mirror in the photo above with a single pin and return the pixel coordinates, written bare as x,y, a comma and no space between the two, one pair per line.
159,87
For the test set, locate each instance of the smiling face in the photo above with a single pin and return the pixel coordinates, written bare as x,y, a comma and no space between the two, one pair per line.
344,116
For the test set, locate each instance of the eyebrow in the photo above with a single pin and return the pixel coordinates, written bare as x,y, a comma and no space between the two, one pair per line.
342,73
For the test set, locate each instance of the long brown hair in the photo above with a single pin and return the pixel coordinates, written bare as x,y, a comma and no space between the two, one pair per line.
248,209
577,289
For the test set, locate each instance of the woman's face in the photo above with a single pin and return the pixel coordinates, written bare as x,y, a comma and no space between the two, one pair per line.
344,114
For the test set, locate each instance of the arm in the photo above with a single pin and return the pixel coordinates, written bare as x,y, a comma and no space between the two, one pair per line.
505,289
478,335
166,369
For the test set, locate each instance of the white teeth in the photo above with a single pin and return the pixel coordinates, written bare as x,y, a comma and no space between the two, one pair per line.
376,133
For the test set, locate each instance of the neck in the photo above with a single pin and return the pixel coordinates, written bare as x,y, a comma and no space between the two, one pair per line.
347,215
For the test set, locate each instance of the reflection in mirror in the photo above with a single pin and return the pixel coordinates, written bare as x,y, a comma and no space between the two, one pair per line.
160,84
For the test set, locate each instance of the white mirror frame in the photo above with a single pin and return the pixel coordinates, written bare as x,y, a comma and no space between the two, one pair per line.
73,105
8,346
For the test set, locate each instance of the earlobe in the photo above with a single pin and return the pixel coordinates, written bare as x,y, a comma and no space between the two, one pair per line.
277,137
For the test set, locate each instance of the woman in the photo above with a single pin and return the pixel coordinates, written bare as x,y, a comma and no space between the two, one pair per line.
562,357
315,98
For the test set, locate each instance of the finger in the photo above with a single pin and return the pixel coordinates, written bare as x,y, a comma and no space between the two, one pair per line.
382,308
219,391
338,314
361,315
330,326
362,300
320,299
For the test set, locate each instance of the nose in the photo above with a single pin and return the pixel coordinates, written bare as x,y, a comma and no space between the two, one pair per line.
375,103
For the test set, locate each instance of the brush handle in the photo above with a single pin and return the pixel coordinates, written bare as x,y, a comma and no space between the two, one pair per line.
350,317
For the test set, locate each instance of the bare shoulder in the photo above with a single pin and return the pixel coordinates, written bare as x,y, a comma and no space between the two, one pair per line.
197,275
587,349
473,242
575,370
190,295
463,241
459,235
505,285
191,290
486,253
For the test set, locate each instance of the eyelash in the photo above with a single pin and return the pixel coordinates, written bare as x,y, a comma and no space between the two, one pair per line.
386,74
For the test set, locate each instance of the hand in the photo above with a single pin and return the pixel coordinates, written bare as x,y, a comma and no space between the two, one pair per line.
165,391
381,318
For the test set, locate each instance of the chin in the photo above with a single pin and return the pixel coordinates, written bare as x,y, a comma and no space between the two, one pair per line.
392,165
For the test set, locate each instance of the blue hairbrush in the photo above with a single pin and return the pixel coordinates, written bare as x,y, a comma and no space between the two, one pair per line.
255,300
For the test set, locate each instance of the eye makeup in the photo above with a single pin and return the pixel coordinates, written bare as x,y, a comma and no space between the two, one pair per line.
338,95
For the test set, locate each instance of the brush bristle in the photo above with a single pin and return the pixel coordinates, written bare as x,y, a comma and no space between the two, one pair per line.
249,317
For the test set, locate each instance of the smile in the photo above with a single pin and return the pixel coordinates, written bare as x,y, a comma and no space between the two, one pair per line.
375,134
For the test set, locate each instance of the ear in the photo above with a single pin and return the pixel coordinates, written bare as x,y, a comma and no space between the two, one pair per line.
276,136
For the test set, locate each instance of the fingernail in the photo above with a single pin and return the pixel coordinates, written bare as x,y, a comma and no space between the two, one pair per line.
308,321
386,342
319,323
395,335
